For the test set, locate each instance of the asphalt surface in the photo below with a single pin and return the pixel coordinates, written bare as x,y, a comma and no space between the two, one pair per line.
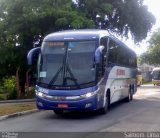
141,115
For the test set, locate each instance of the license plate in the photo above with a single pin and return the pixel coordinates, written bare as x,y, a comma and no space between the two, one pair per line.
62,105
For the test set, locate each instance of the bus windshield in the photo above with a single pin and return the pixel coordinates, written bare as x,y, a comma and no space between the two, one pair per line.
67,64
156,74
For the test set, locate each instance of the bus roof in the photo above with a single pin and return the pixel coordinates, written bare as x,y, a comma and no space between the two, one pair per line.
76,35
82,34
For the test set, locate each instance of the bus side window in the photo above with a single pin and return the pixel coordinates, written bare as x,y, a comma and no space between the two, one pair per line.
100,66
120,55
112,57
103,42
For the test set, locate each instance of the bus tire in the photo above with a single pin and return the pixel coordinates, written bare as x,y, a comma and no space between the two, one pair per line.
104,109
130,95
58,112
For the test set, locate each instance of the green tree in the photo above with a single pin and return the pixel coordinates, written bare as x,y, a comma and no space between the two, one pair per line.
119,16
152,56
24,23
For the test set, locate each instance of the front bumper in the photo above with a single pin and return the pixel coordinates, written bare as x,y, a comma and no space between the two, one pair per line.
87,104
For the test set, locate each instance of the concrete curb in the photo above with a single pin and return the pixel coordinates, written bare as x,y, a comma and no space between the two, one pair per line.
17,101
18,114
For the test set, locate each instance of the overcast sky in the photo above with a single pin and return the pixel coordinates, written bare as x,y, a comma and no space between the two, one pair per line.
154,7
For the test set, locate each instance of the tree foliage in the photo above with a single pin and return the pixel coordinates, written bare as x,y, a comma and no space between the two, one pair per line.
152,56
119,16
24,23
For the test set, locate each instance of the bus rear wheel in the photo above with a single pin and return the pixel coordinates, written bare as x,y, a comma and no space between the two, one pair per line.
130,95
58,112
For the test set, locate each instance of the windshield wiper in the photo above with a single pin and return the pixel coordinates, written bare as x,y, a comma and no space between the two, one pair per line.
62,68
65,68
72,78
55,77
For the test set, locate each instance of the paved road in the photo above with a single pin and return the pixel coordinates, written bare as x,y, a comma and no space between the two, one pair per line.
142,114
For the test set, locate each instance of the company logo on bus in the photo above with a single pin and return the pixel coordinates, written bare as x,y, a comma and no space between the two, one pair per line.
120,72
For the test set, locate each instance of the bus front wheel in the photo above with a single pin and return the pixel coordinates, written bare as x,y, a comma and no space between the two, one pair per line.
105,108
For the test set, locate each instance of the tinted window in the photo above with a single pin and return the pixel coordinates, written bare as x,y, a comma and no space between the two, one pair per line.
121,55
103,41
113,47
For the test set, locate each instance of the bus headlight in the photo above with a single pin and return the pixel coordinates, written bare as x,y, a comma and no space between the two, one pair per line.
88,95
43,95
40,94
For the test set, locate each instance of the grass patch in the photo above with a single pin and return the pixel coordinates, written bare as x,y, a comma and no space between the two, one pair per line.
3,96
147,83
7,109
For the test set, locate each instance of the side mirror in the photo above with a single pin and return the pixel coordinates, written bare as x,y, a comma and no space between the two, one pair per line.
32,56
99,61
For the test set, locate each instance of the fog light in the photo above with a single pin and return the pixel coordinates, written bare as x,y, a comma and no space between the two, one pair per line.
40,104
88,105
